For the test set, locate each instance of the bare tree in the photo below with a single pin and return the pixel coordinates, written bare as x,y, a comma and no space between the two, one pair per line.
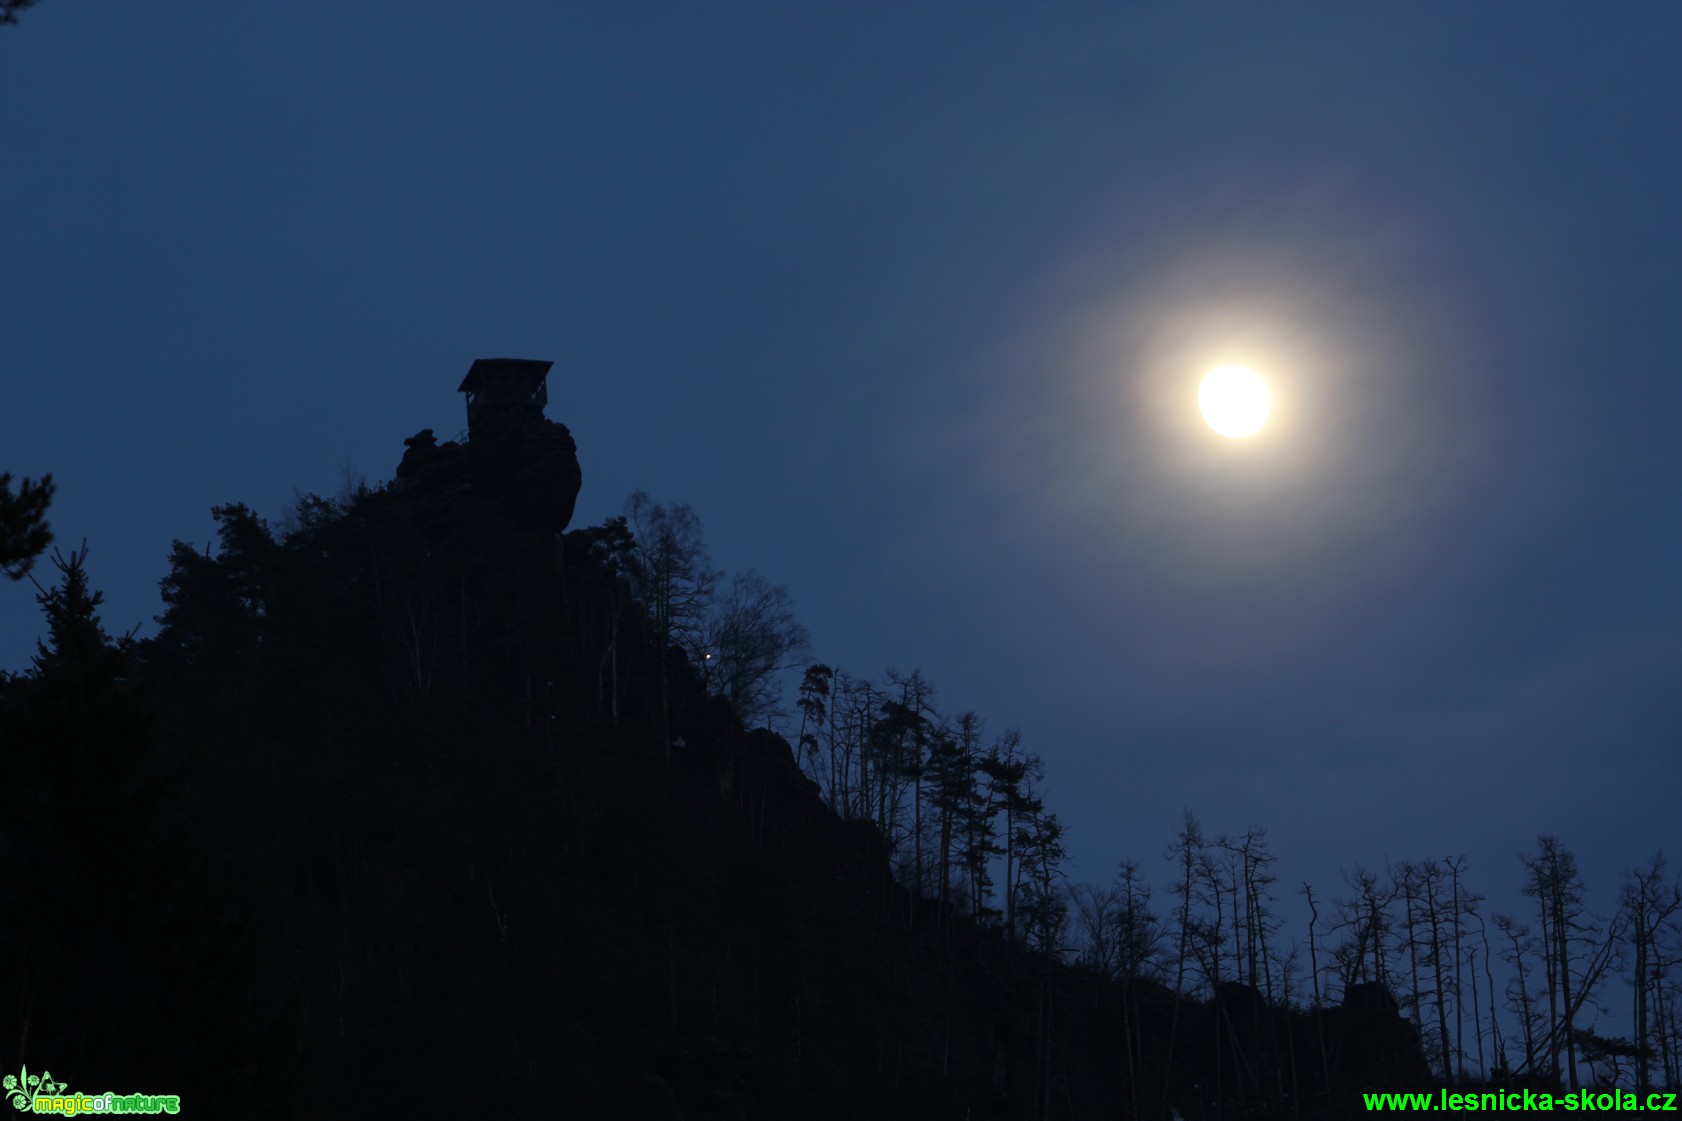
1253,921
1435,903
1361,957
749,640
1518,990
1186,853
1496,1038
1043,910
852,712
1430,948
674,581
1095,913
1314,975
1651,905
1462,905
1139,935
1554,882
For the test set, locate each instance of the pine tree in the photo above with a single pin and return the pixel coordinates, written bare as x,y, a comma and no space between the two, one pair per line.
24,533
122,952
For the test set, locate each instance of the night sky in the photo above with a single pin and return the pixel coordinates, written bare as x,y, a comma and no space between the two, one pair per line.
910,303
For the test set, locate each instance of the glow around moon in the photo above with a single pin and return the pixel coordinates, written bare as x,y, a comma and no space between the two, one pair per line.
1235,401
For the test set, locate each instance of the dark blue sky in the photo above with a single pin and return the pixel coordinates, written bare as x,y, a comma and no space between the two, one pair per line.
910,302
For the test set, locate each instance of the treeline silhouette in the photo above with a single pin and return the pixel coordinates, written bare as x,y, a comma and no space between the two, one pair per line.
419,803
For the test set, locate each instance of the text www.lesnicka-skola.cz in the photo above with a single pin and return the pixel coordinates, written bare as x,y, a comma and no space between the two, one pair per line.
1578,1101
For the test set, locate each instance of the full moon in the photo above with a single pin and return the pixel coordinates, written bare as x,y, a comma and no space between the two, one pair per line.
1234,400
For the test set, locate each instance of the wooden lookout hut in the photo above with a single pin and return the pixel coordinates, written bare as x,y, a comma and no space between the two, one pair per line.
509,389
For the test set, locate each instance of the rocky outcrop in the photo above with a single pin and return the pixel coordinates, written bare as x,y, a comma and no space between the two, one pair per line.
530,470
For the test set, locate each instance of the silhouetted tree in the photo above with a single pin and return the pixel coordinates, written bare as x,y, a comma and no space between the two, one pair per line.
978,831
1009,773
1438,915
1041,905
606,554
1211,893
1463,904
123,957
1361,957
1652,906
1094,908
1253,919
853,711
216,612
1314,976
1043,909
9,10
901,742
1553,881
951,791
1138,936
674,582
1186,853
1519,946
24,532
1425,917
814,713
1667,1019
1497,1040
750,638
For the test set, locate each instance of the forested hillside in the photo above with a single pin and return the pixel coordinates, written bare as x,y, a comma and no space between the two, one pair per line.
418,796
